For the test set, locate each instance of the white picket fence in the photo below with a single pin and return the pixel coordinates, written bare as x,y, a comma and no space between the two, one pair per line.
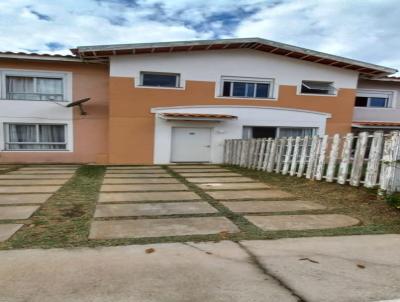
371,160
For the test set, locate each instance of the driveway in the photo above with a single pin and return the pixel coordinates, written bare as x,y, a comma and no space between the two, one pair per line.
353,268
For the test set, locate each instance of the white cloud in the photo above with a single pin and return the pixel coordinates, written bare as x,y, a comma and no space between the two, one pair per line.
361,29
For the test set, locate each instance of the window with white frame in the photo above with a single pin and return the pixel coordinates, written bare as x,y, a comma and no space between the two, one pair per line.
246,87
374,98
158,79
318,87
32,86
35,137
273,132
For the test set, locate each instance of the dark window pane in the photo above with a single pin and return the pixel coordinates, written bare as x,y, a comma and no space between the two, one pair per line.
250,90
227,89
361,101
159,80
239,89
305,89
262,90
377,102
264,132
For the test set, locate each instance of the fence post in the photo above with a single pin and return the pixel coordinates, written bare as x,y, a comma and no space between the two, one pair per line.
267,154
312,157
272,155
261,154
344,164
358,161
293,165
330,172
390,158
244,152
374,160
280,154
288,153
303,157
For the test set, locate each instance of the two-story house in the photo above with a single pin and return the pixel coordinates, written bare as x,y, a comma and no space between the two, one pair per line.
171,101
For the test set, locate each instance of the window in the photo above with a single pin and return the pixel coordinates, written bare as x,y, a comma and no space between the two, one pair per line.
34,88
314,87
233,87
267,132
160,79
35,137
374,99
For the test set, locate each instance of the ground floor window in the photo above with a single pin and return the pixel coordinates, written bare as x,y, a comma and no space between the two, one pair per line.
35,137
273,132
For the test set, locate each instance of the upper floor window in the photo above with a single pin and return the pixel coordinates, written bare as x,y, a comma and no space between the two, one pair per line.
374,99
33,86
35,137
160,79
316,87
246,88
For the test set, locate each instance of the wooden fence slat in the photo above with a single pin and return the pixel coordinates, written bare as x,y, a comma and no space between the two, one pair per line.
256,153
280,154
321,159
287,159
251,153
346,155
312,158
295,156
358,161
243,152
272,155
303,156
391,154
333,155
226,150
261,154
374,160
267,153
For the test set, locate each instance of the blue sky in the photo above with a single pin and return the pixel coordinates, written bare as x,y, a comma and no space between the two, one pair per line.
361,29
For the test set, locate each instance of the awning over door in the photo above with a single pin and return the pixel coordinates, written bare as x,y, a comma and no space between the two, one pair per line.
196,116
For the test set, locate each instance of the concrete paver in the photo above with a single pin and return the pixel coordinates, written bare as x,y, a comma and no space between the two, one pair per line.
302,222
133,167
233,186
40,171
138,171
219,179
120,181
248,194
175,272
23,198
147,196
28,189
194,167
17,212
331,269
210,174
257,206
170,208
136,175
35,176
141,228
213,170
32,182
143,187
47,168
7,230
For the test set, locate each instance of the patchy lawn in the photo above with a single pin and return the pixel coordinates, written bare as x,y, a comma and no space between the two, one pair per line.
64,220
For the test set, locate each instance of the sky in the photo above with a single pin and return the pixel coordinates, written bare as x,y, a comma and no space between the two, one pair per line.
366,30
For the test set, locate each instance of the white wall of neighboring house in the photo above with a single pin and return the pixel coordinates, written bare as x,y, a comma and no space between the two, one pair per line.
36,112
229,129
391,114
212,65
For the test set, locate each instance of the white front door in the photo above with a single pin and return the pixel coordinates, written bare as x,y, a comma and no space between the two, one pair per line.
191,145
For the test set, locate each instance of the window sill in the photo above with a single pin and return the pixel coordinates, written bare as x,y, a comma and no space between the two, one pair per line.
315,94
374,108
243,98
160,87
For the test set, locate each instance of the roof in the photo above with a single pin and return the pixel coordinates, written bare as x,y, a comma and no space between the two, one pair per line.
38,56
376,124
104,51
198,116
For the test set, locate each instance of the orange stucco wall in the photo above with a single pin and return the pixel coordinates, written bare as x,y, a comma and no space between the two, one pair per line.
131,125
90,131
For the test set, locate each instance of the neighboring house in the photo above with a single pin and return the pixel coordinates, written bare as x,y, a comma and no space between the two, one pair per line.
171,102
377,105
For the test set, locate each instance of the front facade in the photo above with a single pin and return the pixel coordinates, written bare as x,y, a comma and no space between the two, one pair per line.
162,103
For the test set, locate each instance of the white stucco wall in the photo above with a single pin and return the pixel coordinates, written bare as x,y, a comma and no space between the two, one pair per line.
211,65
37,112
379,114
230,129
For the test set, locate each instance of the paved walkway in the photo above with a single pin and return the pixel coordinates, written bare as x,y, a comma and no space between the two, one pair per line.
184,200
23,190
329,269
